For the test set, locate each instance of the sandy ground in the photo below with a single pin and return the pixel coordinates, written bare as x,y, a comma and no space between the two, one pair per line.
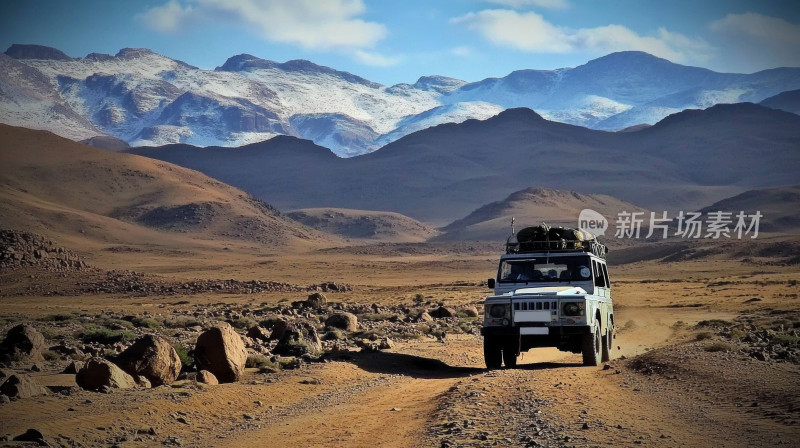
662,388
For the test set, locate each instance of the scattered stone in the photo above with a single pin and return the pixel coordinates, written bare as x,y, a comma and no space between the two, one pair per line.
31,435
73,368
143,382
342,321
471,311
278,329
23,343
385,344
100,374
425,317
152,357
607,367
317,300
258,333
206,377
299,339
442,313
21,386
220,350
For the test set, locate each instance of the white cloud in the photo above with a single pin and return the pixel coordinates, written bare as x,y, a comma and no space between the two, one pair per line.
168,18
376,59
531,32
768,29
753,42
461,50
331,24
549,4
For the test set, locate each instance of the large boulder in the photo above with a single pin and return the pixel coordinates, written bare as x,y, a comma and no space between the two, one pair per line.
470,311
443,312
21,386
342,321
258,333
98,373
221,351
206,377
317,300
153,358
299,339
22,343
278,329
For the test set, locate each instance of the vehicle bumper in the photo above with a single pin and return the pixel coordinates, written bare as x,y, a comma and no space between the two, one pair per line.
552,331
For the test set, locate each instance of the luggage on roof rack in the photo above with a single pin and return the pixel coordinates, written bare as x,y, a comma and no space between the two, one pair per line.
551,239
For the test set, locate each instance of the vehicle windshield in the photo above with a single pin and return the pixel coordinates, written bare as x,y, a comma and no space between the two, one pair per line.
545,269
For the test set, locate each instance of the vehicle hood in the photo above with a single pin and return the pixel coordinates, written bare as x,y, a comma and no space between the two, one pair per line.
550,291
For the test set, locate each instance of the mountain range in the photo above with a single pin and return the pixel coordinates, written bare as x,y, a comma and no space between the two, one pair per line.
440,174
146,99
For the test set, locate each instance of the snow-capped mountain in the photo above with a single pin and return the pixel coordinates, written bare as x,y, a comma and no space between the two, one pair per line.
624,89
145,98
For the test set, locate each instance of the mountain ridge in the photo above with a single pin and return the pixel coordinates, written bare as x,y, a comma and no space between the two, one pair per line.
354,115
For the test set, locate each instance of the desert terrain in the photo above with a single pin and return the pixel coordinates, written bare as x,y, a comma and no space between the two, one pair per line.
100,249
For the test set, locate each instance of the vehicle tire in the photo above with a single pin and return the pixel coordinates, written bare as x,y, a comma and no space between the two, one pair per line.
492,352
592,346
608,343
510,351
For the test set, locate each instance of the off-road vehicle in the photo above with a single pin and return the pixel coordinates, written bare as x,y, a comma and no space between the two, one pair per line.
551,290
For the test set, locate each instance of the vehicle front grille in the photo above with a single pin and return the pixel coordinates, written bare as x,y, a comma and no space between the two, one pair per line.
535,305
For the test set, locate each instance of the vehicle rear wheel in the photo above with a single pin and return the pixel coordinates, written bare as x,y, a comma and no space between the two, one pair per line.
608,343
510,352
492,352
592,346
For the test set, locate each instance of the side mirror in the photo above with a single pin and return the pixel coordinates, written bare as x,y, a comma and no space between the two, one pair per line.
490,283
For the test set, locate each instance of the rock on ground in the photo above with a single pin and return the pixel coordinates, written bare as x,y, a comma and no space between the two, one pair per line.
206,377
21,386
153,358
317,300
221,351
98,373
342,321
299,339
22,343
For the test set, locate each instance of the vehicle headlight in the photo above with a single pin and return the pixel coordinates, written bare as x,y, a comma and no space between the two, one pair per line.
497,311
573,309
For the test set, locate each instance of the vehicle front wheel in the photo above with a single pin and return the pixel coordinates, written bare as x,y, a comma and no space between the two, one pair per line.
510,352
608,343
492,352
592,346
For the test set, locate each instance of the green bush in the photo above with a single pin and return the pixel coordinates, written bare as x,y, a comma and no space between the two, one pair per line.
181,322
269,322
56,318
243,323
720,347
332,335
183,353
703,335
101,335
50,355
146,322
419,298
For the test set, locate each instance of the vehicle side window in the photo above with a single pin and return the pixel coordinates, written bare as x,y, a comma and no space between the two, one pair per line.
599,279
605,275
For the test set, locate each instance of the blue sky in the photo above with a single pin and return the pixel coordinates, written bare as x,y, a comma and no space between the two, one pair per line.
390,41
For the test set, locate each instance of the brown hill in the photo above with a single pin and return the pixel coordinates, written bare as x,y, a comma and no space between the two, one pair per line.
533,206
780,208
387,227
76,193
686,161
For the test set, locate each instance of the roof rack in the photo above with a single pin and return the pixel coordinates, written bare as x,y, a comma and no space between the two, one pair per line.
545,238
